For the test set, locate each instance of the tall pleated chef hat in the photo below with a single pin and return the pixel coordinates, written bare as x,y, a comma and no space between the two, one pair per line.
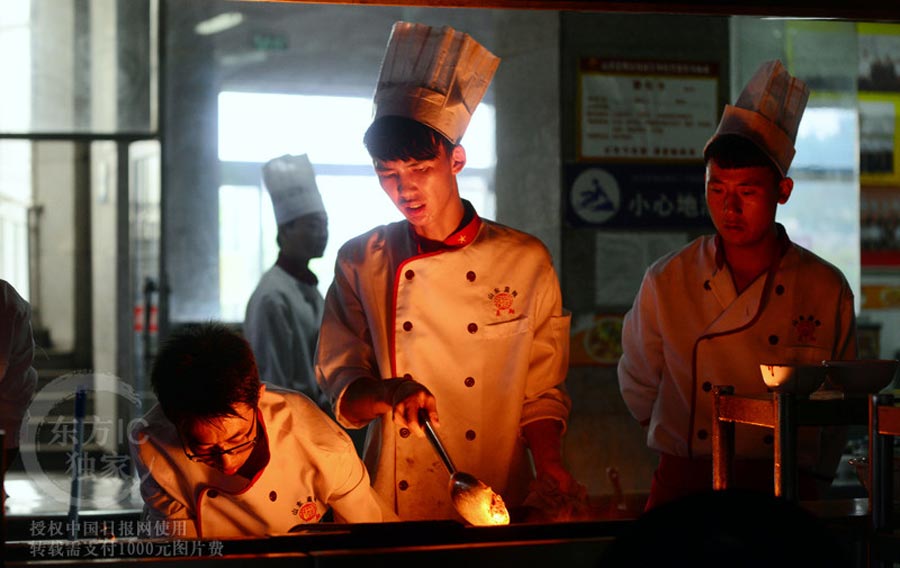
767,113
291,183
433,76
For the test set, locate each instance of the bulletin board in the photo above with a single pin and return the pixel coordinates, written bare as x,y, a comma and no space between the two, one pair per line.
656,111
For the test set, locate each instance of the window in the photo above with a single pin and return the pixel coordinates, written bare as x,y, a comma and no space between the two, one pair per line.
15,199
15,155
256,127
822,213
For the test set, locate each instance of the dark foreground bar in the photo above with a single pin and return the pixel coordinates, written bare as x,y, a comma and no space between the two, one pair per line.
436,543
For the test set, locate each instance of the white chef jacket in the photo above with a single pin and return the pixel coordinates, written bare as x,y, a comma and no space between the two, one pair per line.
282,327
480,325
690,330
18,379
312,466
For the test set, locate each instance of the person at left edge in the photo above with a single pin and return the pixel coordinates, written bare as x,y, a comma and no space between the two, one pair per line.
285,311
18,378
222,455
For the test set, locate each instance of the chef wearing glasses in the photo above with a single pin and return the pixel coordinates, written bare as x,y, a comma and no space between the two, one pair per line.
221,455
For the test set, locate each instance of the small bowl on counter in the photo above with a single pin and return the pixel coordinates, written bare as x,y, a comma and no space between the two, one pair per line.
862,376
793,378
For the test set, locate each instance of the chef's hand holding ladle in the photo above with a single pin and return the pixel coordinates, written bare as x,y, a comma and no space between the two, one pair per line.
414,407
408,398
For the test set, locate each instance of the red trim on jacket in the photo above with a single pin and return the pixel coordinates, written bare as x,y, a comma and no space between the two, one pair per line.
206,489
464,234
784,244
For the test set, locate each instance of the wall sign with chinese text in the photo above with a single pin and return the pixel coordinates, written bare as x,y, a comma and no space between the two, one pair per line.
646,110
619,196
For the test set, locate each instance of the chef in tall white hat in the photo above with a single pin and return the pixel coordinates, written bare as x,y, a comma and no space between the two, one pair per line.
284,312
712,312
444,311
767,113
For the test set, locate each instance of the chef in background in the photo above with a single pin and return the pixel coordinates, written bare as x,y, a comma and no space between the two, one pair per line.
284,312
712,312
222,455
18,379
444,311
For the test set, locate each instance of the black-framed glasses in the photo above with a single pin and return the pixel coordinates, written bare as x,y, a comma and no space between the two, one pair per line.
213,455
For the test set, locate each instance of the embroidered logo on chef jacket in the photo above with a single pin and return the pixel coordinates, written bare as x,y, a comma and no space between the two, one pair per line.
806,329
503,299
306,511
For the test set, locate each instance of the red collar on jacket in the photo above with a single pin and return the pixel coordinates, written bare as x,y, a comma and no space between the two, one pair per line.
463,235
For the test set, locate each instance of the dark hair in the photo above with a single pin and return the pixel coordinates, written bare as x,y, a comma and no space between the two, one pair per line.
400,138
731,151
202,371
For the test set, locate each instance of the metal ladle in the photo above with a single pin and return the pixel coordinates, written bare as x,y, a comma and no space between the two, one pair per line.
475,501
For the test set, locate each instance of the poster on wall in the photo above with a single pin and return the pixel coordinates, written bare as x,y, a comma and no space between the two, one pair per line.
879,139
822,53
879,57
622,257
880,297
643,111
879,226
596,340
879,104
877,119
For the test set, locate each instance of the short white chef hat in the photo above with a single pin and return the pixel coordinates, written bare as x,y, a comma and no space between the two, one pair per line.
291,183
767,113
434,76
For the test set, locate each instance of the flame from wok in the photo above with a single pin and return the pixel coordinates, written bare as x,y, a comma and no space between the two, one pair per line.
479,505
